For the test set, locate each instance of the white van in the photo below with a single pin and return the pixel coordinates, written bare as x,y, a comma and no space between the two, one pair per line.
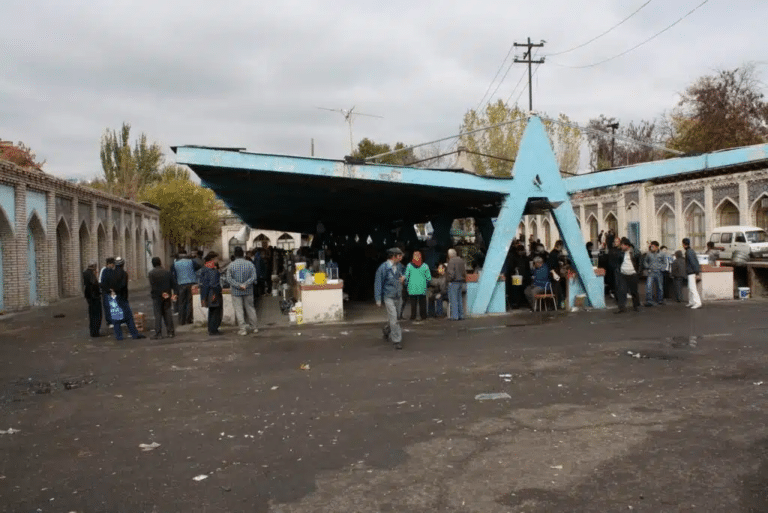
751,241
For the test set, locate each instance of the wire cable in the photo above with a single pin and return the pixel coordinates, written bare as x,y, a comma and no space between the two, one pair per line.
601,35
509,52
637,45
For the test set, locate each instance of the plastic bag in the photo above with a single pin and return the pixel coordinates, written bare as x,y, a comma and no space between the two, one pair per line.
115,312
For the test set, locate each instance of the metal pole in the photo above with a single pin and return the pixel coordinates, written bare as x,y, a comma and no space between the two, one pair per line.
530,77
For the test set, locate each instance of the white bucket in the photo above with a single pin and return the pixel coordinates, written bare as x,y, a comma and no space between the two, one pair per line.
744,292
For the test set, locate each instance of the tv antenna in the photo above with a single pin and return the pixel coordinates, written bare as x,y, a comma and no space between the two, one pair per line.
348,118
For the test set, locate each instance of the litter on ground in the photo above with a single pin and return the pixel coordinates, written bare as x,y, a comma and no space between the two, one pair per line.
493,396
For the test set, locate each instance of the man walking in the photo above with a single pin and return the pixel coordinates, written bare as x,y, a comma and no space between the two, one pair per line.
117,286
241,274
692,269
655,262
388,288
92,292
456,276
162,289
626,278
184,274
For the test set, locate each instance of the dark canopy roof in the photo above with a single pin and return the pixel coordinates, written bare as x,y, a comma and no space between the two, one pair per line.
296,201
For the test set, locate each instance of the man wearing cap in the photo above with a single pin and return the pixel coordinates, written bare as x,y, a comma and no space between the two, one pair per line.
388,288
92,293
692,269
117,285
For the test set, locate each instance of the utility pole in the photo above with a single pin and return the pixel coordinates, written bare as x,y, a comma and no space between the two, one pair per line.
527,60
613,127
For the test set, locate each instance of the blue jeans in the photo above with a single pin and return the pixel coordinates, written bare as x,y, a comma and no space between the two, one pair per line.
437,306
127,319
654,277
455,300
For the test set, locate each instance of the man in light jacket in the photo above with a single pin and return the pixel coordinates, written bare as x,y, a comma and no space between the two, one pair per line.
388,288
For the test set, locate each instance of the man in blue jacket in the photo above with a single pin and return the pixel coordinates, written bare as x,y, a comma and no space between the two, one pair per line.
183,272
388,289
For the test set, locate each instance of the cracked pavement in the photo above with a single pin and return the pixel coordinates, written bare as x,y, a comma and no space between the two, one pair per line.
587,427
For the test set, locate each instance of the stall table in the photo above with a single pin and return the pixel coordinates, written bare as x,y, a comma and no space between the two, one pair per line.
716,283
321,302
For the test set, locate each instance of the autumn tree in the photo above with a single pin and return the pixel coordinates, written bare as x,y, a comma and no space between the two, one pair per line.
20,154
491,150
720,111
633,145
367,148
128,170
189,213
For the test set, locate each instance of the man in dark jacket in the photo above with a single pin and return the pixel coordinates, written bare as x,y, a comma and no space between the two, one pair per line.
627,277
163,289
92,293
117,285
692,269
104,276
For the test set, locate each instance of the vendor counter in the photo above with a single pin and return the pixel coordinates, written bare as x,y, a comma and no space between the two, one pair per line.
321,302
716,283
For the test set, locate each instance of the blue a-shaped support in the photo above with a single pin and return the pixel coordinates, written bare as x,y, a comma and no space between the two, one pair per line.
536,176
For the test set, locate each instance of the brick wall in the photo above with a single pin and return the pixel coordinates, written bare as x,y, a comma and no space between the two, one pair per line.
57,236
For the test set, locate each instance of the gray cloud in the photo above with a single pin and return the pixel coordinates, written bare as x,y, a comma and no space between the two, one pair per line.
252,74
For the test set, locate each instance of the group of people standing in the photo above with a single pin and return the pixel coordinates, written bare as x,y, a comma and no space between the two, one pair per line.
393,279
625,265
108,290
171,289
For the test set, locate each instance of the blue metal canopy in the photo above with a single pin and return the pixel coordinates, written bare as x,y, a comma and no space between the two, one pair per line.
294,193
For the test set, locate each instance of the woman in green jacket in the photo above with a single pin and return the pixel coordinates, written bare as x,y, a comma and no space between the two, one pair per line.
417,275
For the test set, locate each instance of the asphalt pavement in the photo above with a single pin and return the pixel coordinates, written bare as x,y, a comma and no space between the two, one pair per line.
656,411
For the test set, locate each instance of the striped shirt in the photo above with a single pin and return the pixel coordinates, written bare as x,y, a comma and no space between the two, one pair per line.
241,272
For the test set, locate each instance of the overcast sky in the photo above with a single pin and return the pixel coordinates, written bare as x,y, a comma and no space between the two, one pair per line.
252,74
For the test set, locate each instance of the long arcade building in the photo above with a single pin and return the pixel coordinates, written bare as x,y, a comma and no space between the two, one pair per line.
295,193
51,228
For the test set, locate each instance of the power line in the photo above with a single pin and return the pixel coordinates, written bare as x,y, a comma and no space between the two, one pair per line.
509,52
523,89
518,84
601,35
639,44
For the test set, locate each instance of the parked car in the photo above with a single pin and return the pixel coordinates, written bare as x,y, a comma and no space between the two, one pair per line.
746,241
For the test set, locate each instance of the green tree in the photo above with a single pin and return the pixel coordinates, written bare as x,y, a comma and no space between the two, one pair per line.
189,213
367,148
128,170
720,111
491,150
